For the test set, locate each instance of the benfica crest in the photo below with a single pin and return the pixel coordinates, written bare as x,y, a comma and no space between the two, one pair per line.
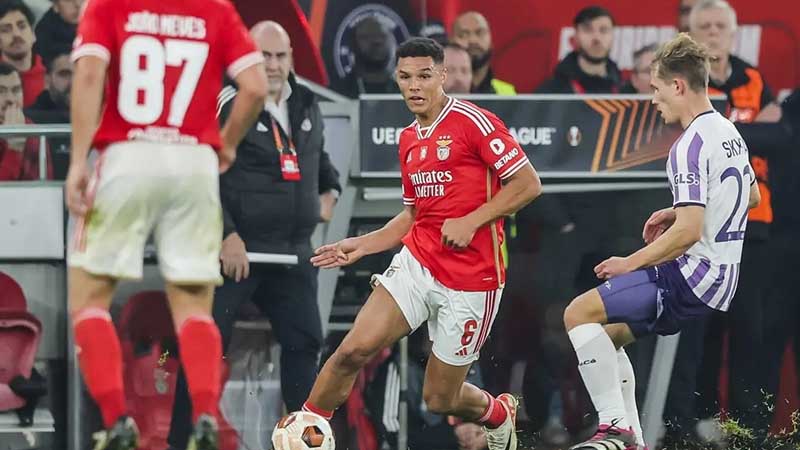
443,149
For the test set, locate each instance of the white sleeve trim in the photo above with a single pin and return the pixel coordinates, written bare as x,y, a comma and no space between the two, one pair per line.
511,170
97,50
244,62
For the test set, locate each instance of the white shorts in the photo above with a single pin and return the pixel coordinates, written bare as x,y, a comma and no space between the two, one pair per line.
459,322
137,188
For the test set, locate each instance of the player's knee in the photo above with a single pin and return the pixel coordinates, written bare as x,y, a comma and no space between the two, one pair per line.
439,403
575,314
353,356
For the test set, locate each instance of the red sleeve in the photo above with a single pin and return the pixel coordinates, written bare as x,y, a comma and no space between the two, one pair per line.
409,196
95,36
497,148
238,49
10,163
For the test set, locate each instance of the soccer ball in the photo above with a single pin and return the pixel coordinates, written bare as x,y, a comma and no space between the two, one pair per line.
302,431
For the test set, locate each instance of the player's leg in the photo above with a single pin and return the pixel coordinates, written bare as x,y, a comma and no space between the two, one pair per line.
630,298
621,333
107,244
96,341
462,323
379,324
188,237
395,307
227,299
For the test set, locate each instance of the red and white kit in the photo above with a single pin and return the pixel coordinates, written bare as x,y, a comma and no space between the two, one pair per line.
158,133
448,170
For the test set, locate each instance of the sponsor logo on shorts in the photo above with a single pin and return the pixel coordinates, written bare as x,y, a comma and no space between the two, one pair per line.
587,362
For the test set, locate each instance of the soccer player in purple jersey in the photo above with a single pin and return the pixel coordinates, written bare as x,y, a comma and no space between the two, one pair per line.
690,265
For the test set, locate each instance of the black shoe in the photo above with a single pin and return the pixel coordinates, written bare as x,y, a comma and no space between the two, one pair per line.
122,436
205,435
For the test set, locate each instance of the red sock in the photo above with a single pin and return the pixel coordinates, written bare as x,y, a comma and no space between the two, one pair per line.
100,358
310,407
201,356
495,414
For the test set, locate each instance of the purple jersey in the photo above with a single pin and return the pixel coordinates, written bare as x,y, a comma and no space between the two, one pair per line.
709,166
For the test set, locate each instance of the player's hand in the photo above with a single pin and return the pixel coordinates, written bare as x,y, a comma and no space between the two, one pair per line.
226,155
234,260
613,267
342,253
75,189
13,116
458,233
657,224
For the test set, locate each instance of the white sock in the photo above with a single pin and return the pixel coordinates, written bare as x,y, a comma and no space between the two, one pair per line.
597,363
628,381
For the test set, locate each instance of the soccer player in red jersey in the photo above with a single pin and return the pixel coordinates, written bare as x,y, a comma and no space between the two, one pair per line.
462,172
147,73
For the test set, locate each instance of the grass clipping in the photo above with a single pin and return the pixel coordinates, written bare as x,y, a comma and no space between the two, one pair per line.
737,437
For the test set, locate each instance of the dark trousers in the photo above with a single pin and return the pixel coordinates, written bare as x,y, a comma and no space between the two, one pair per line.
287,296
782,310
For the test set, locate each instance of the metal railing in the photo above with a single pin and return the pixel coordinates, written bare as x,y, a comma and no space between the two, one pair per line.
44,132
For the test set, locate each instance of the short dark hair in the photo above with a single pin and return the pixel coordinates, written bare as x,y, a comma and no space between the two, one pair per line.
420,46
7,69
590,13
7,6
54,52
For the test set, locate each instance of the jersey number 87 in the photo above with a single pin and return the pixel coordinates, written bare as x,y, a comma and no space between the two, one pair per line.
143,63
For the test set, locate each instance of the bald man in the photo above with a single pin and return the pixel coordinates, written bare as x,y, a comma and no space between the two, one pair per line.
471,31
280,187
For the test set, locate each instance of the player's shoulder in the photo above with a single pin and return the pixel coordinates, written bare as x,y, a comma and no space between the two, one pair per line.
473,116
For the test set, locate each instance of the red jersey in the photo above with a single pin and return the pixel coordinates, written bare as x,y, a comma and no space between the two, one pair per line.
450,169
165,65
33,81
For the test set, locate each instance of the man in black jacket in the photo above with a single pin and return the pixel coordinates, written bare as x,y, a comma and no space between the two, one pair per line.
778,143
588,69
57,27
281,185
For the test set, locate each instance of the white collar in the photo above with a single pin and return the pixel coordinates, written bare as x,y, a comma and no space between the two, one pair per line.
286,92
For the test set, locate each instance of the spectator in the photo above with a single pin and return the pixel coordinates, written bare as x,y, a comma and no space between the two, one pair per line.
713,23
459,70
19,157
372,69
588,68
471,31
57,27
270,206
683,15
52,106
778,142
640,76
16,46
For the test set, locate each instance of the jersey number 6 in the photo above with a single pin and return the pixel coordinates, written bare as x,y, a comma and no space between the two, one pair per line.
143,63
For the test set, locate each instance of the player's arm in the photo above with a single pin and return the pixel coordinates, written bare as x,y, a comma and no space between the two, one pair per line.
88,82
519,190
503,155
248,103
684,233
350,250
